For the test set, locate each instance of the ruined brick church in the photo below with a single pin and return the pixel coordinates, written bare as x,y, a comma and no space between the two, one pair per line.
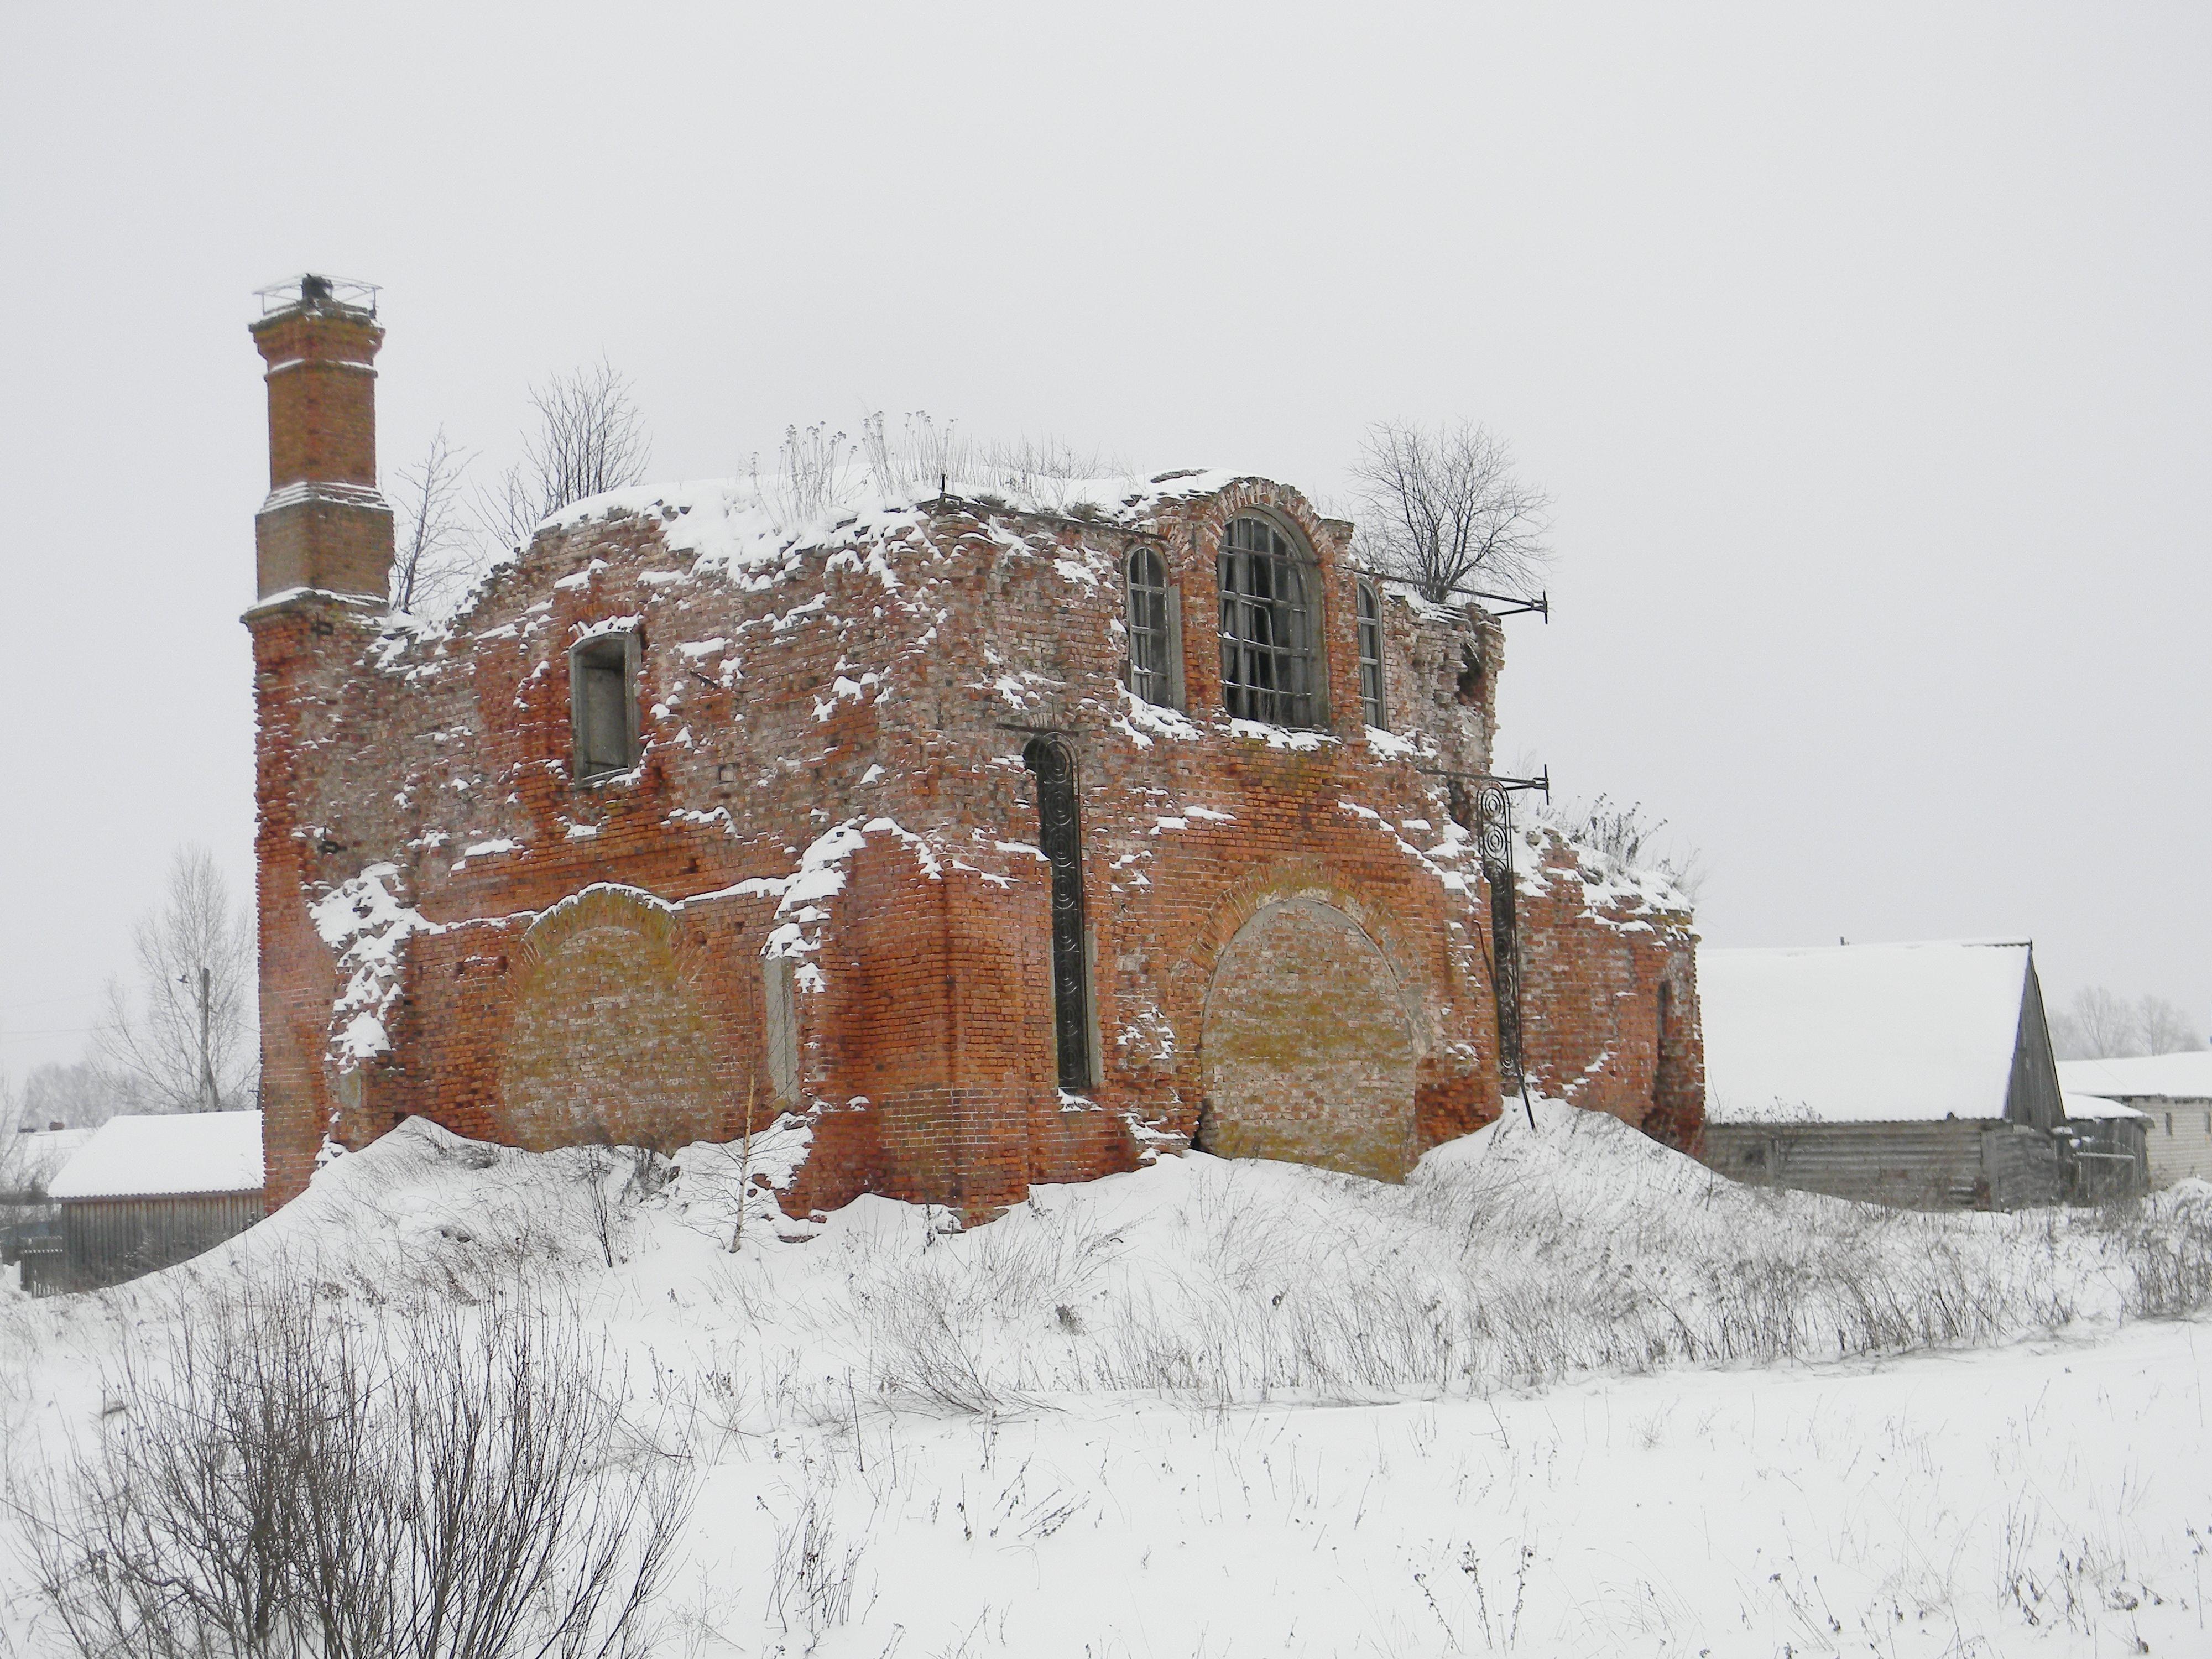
999,838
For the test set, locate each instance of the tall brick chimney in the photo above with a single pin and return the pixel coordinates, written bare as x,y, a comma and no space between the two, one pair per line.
324,526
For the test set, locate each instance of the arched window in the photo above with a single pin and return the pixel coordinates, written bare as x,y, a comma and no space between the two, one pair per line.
1269,591
1152,654
1370,655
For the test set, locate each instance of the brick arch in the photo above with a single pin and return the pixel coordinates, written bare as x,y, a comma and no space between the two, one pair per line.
1310,878
1309,1050
611,1036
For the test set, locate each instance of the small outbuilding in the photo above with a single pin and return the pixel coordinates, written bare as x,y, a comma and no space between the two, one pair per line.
146,1193
30,1222
2107,1154
1917,1075
2173,1092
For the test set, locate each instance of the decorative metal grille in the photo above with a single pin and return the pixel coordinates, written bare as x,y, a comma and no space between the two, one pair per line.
1268,670
1371,656
1148,626
1060,839
1494,840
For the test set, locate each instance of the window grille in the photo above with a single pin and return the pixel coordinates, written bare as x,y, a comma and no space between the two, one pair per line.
1268,666
1371,656
1060,837
1151,659
603,704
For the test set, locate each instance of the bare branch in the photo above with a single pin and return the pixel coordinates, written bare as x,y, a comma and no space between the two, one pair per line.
589,438
433,560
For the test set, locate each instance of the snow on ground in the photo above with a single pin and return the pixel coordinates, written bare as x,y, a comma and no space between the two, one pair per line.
1564,1392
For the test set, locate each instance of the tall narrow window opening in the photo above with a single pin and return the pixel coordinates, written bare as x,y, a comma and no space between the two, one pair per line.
1060,839
1370,655
1269,667
603,704
1151,656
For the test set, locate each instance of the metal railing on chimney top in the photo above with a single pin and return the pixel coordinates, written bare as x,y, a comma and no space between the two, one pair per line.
310,288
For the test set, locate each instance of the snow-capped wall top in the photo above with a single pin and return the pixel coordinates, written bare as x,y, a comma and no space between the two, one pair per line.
166,1156
1860,1033
2185,1076
737,524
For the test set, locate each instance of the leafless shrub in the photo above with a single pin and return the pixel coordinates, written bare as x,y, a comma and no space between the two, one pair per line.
813,1578
276,1482
1629,836
924,454
815,471
590,437
1446,511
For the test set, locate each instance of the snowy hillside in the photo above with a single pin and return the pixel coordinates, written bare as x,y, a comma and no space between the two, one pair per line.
1564,1392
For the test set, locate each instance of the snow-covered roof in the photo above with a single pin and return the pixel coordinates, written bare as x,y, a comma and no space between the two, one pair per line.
166,1156
2093,1108
2185,1076
1860,1033
45,1151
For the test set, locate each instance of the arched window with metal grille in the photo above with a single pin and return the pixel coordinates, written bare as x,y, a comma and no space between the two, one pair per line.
1155,675
1270,592
1371,656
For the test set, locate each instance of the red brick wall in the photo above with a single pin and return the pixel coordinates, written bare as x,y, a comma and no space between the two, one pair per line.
896,679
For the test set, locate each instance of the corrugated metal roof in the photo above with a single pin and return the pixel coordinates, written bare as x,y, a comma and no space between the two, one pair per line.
2152,1077
1860,1033
166,1156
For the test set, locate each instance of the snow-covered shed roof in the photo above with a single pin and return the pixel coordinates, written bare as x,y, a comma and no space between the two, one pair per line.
2093,1108
2185,1076
169,1156
45,1151
1860,1033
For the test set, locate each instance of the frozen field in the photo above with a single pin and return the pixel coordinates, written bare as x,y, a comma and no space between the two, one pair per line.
1562,1393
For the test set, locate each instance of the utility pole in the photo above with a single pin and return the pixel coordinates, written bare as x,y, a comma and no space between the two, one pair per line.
207,1057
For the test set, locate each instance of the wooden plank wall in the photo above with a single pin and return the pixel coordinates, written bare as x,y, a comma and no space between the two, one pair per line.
1950,1164
111,1240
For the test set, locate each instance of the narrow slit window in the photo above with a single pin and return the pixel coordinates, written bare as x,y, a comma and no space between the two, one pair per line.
1270,670
1151,659
1371,656
603,704
1060,837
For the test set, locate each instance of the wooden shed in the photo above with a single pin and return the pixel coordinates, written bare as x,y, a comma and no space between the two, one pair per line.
1918,1075
2175,1094
146,1193
2109,1156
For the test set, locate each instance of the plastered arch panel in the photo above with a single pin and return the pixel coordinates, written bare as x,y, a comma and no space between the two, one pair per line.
610,1039
1308,1053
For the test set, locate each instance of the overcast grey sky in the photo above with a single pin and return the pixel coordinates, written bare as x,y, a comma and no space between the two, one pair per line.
1867,351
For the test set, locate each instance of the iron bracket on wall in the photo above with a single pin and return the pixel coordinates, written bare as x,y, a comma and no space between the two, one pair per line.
1506,605
1542,780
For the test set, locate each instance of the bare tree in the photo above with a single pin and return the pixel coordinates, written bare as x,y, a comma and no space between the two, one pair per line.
589,438
76,1094
2097,1024
179,1036
1444,509
15,1180
432,558
2163,1029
